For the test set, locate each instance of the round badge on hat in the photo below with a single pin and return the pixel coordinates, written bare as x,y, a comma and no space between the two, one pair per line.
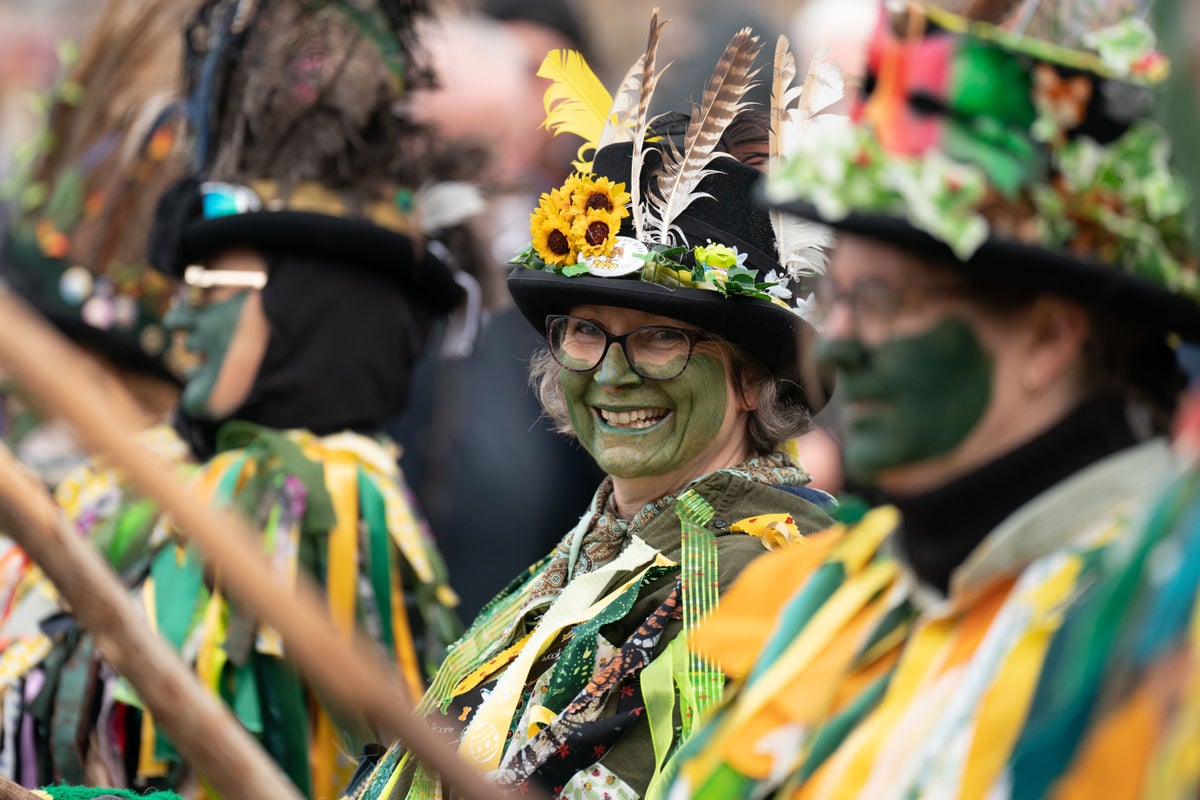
622,260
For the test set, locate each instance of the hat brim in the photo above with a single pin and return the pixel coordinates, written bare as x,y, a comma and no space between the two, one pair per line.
773,335
1123,296
349,240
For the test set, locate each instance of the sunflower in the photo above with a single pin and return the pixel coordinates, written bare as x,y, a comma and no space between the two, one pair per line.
572,188
552,237
603,195
556,201
595,231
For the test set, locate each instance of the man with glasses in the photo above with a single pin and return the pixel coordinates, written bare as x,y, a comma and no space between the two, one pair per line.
1017,622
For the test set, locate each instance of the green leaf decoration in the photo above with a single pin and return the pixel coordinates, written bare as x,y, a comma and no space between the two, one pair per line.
65,205
71,92
32,196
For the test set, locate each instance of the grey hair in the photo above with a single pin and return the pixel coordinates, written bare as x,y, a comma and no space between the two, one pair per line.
777,417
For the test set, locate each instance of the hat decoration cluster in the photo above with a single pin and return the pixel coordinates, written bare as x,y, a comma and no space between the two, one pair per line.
302,106
575,228
83,188
970,132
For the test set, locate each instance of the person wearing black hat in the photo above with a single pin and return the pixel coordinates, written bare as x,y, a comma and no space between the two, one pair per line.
457,451
76,252
678,373
1000,310
305,237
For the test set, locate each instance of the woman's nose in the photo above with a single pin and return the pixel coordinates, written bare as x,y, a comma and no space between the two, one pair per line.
845,353
614,371
837,321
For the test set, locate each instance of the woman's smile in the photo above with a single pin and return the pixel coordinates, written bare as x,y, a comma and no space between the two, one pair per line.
635,419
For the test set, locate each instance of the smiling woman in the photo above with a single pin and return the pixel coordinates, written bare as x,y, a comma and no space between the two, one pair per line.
577,676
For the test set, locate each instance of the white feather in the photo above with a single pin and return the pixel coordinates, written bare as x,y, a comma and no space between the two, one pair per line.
621,123
796,111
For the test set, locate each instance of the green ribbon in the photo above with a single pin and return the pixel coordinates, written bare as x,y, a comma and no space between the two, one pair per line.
373,510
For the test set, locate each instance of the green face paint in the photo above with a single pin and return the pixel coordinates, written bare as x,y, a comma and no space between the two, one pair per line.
210,330
909,399
682,416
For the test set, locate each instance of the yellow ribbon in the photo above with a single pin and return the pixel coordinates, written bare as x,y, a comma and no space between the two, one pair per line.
1003,707
341,584
148,766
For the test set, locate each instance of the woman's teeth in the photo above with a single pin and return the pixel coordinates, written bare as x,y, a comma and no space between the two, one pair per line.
641,418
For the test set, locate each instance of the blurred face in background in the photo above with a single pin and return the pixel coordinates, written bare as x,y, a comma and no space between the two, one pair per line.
227,331
933,381
487,95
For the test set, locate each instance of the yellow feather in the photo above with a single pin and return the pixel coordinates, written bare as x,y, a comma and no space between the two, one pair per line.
576,100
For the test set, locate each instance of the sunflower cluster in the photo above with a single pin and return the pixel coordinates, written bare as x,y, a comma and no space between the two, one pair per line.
579,219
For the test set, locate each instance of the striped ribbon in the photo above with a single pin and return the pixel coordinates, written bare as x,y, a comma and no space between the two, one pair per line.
698,574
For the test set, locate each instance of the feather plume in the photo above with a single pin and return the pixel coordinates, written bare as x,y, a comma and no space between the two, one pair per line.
647,83
783,94
576,101
800,243
99,183
619,126
723,99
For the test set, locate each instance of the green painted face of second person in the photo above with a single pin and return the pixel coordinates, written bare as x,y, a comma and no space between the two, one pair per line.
229,334
910,398
696,420
209,331
915,376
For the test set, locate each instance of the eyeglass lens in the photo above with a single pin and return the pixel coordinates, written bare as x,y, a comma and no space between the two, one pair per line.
874,305
654,352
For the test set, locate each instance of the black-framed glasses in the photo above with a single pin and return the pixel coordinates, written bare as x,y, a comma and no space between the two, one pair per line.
874,305
655,352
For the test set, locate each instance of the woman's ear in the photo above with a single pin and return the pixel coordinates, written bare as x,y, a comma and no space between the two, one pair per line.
1058,331
747,388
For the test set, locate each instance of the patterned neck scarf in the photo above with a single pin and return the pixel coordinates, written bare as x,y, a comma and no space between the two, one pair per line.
606,533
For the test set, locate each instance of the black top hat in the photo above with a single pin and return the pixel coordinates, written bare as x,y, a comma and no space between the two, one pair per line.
762,326
1022,162
302,144
686,240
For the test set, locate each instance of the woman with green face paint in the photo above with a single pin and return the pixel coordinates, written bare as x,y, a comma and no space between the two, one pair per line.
1006,625
576,678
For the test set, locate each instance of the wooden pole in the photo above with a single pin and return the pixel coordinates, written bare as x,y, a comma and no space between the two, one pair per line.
347,672
14,791
197,722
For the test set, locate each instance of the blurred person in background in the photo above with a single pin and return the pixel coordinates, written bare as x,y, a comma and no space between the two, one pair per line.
305,232
474,415
86,189
1001,311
